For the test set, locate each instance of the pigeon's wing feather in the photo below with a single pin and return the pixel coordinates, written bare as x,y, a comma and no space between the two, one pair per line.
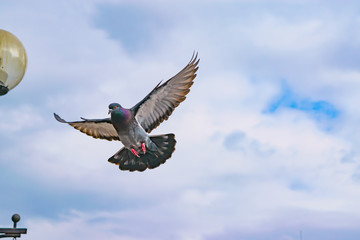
159,104
97,128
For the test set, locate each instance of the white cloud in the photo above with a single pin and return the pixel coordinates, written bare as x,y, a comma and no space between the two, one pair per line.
15,120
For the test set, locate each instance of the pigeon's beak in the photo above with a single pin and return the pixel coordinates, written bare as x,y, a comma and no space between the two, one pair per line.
110,110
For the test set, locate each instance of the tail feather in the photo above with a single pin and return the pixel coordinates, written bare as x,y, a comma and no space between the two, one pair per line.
151,159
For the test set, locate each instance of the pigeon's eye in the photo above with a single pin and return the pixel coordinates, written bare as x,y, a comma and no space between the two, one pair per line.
115,107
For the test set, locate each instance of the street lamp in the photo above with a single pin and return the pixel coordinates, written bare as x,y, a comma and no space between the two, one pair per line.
13,232
12,61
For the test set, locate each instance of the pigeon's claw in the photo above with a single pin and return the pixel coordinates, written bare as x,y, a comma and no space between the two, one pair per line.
143,148
135,153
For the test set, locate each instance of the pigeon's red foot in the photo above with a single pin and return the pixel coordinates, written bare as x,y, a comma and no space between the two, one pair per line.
143,148
134,152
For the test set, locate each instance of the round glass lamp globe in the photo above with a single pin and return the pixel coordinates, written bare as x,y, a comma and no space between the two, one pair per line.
13,61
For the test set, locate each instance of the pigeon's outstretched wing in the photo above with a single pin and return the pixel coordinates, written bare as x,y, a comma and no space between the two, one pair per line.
158,105
97,128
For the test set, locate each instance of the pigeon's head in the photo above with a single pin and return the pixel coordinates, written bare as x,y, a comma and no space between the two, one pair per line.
114,106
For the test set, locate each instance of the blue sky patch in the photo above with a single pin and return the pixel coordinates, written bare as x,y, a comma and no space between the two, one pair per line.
318,109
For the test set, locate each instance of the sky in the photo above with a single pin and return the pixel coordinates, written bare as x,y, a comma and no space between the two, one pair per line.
267,144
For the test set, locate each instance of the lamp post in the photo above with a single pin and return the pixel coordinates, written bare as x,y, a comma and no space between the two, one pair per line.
13,232
13,61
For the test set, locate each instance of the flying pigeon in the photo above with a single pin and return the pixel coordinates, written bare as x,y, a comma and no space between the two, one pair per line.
132,126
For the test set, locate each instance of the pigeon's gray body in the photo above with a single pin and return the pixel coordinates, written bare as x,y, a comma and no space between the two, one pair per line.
130,132
133,136
132,126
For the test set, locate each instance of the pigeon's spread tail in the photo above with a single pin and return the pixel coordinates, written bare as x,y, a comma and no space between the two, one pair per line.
151,159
